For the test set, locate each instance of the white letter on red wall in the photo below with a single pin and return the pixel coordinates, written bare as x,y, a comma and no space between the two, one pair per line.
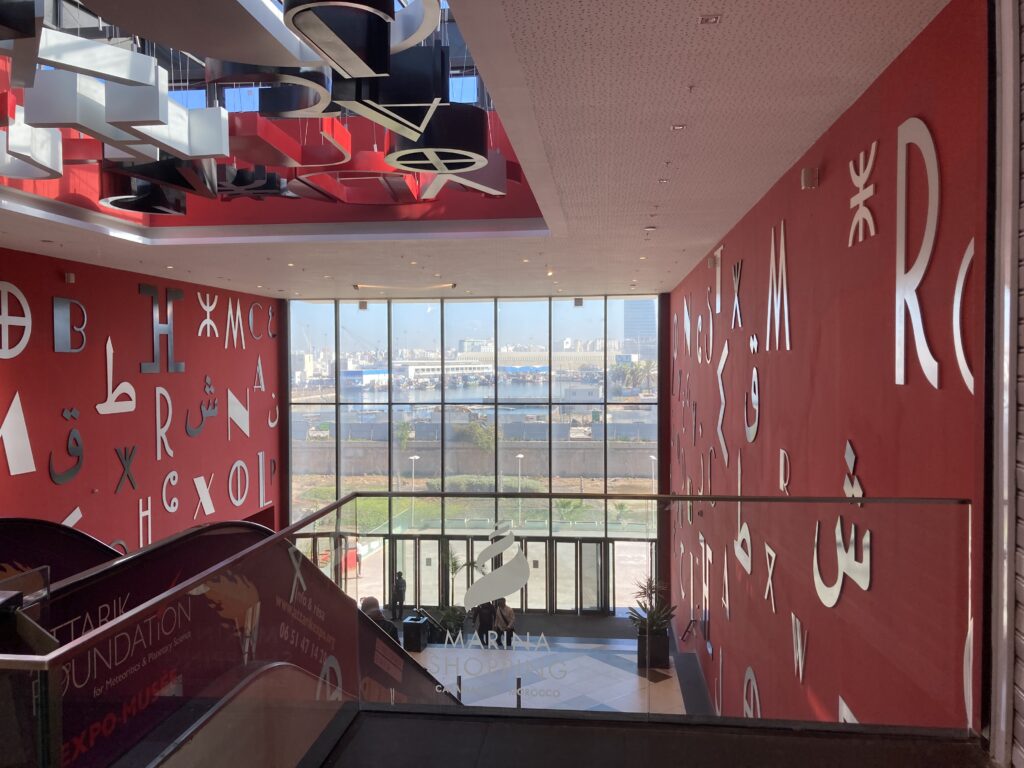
162,395
14,435
914,131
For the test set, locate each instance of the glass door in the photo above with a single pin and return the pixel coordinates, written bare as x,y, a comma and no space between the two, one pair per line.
404,561
428,573
458,570
536,590
632,561
565,574
591,577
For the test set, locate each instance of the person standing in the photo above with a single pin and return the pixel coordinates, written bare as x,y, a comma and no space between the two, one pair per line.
398,597
504,622
484,622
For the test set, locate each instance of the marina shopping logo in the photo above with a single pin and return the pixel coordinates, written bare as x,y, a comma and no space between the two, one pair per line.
505,580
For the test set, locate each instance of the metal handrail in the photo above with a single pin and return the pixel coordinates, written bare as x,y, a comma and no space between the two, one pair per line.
43,663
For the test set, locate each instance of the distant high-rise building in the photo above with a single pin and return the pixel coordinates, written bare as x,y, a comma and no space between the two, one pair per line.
639,320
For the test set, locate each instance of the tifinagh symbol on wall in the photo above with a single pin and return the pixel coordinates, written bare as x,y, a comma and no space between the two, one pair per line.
508,578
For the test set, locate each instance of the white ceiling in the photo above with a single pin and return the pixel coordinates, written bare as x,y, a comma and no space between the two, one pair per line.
588,91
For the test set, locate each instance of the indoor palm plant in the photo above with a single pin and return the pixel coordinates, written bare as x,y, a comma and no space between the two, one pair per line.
652,618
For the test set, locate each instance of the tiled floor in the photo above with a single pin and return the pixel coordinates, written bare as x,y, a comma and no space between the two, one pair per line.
576,674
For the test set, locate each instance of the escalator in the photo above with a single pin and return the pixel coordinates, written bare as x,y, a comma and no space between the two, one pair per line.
26,545
166,646
93,597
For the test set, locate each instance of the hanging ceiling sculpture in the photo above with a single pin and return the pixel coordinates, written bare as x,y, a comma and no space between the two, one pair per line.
352,106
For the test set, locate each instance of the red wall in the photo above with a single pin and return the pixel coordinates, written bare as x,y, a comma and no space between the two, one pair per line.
895,652
47,382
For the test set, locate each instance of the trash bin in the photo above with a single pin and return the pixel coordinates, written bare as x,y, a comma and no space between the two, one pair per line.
414,633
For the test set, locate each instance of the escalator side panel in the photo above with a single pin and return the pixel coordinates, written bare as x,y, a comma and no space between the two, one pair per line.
271,606
91,599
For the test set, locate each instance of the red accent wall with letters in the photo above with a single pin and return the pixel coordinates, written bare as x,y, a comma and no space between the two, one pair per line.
215,474
903,644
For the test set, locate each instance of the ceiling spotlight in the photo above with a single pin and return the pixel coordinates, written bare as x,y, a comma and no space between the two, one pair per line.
663,181
259,286
413,263
710,18
526,261
643,258
290,264
650,228
678,126
551,273
170,267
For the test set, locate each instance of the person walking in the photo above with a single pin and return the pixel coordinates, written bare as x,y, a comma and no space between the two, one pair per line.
484,622
504,622
398,597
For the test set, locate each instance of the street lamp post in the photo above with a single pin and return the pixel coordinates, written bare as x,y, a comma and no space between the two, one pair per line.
519,489
414,459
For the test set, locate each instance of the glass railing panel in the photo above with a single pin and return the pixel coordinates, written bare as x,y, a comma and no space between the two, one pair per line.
851,611
29,721
829,611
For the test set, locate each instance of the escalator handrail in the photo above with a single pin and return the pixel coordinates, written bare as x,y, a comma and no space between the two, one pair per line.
177,539
59,529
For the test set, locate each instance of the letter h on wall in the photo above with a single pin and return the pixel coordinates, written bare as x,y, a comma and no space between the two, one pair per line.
162,329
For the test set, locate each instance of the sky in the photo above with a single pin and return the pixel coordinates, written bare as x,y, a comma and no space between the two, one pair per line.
417,324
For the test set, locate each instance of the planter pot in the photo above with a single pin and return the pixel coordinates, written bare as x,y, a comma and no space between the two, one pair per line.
657,645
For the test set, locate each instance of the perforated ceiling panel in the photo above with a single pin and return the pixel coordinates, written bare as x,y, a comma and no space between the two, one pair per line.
588,92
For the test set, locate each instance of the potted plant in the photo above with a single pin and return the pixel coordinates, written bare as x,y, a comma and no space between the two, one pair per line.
652,618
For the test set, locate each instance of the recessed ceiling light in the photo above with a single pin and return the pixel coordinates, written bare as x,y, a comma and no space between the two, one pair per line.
170,266
632,287
560,290
46,241
710,18
296,293
290,264
555,282
551,273
643,258
437,274
327,277
678,126
650,228
413,263
526,261
468,291
663,181
259,286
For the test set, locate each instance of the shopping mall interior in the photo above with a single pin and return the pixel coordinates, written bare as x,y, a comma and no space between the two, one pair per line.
584,381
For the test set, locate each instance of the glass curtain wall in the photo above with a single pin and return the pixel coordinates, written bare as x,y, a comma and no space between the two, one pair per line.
477,395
